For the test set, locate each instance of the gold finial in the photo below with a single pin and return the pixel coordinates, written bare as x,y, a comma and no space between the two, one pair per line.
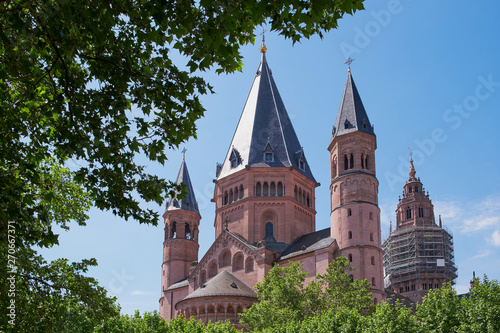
263,48
184,153
348,62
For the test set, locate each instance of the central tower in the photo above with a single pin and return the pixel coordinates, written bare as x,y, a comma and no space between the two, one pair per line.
355,215
264,188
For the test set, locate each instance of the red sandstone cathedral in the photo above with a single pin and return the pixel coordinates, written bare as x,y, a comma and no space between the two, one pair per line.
265,210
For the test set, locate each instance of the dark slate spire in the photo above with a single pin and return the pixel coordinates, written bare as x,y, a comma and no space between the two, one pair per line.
352,116
264,136
189,202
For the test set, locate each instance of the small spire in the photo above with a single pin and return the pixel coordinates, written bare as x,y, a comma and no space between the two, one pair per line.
390,227
348,62
263,48
412,167
440,223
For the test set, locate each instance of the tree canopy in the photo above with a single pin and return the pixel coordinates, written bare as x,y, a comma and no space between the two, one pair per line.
93,86
283,296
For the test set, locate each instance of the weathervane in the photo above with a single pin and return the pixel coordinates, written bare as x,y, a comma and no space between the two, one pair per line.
263,48
348,62
411,154
184,153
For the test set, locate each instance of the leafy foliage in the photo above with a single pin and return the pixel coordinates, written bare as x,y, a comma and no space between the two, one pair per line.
98,85
151,322
480,312
439,310
283,297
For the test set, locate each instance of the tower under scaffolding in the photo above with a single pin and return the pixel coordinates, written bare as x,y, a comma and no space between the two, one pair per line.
418,254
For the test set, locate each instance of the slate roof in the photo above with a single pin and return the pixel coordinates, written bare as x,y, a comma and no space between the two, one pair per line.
182,283
189,202
223,284
264,126
352,116
308,243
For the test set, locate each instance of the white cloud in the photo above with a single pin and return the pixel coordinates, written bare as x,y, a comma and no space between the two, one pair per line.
480,223
449,210
470,216
482,254
495,238
141,293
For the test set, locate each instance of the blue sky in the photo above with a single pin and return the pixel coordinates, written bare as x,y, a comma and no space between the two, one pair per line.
428,73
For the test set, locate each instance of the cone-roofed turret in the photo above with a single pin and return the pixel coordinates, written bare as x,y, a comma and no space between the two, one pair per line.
352,116
189,203
264,136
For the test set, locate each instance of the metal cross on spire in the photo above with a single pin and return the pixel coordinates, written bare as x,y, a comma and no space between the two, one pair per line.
184,153
348,62
411,154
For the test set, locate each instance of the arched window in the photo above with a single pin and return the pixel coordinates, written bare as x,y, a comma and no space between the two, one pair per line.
373,260
188,231
280,189
373,281
230,195
416,189
212,269
307,200
408,213
249,265
346,162
265,190
295,193
420,212
258,189
236,193
300,195
334,170
226,198
225,258
273,189
173,233
351,161
349,212
241,192
238,261
371,236
269,229
366,162
362,161
350,235
303,197
349,257
203,277
371,216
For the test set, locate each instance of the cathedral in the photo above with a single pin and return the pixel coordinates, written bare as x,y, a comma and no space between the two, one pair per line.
265,210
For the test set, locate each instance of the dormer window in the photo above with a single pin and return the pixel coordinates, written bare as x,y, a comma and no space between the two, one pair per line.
302,165
234,158
301,161
365,125
268,152
346,124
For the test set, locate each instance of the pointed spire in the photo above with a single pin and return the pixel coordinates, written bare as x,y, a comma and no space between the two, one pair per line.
189,202
412,170
352,116
265,136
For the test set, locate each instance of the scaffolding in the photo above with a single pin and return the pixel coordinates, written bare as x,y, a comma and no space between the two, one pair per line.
418,258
